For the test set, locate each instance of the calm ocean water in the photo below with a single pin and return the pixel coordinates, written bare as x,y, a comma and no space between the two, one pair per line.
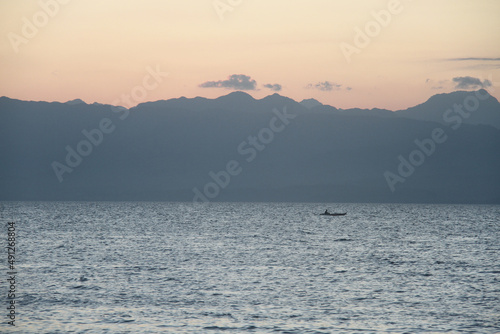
121,267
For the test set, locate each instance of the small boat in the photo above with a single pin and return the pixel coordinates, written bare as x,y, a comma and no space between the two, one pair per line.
333,214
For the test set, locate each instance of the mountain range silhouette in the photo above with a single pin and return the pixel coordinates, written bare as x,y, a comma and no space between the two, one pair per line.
237,148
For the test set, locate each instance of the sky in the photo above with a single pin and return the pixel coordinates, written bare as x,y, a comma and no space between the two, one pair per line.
390,54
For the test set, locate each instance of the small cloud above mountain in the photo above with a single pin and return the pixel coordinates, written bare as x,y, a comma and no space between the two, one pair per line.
273,87
235,81
325,86
470,83
464,83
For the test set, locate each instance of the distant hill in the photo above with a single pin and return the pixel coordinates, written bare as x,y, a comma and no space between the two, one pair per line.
471,107
310,103
237,148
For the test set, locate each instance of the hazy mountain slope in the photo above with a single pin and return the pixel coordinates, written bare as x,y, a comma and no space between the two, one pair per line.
471,107
162,150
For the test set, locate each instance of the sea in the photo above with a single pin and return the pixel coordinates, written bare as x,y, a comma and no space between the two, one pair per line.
144,267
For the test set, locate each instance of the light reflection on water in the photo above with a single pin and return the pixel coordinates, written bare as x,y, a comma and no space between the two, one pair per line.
249,267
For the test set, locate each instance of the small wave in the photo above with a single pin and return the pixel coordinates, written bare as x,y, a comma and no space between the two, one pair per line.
85,287
28,299
217,328
218,315
342,240
118,321
117,318
172,279
363,298
257,316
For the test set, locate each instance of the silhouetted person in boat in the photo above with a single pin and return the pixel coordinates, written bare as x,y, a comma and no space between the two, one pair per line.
326,212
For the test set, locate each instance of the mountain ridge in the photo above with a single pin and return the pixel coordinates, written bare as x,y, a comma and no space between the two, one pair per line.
276,150
433,109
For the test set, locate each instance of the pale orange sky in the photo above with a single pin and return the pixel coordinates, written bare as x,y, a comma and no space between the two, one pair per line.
99,50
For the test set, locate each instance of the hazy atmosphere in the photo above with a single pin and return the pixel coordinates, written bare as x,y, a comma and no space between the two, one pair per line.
249,166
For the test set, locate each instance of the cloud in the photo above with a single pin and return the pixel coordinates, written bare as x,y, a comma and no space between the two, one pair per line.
470,83
275,87
476,62
438,85
474,59
325,86
235,81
